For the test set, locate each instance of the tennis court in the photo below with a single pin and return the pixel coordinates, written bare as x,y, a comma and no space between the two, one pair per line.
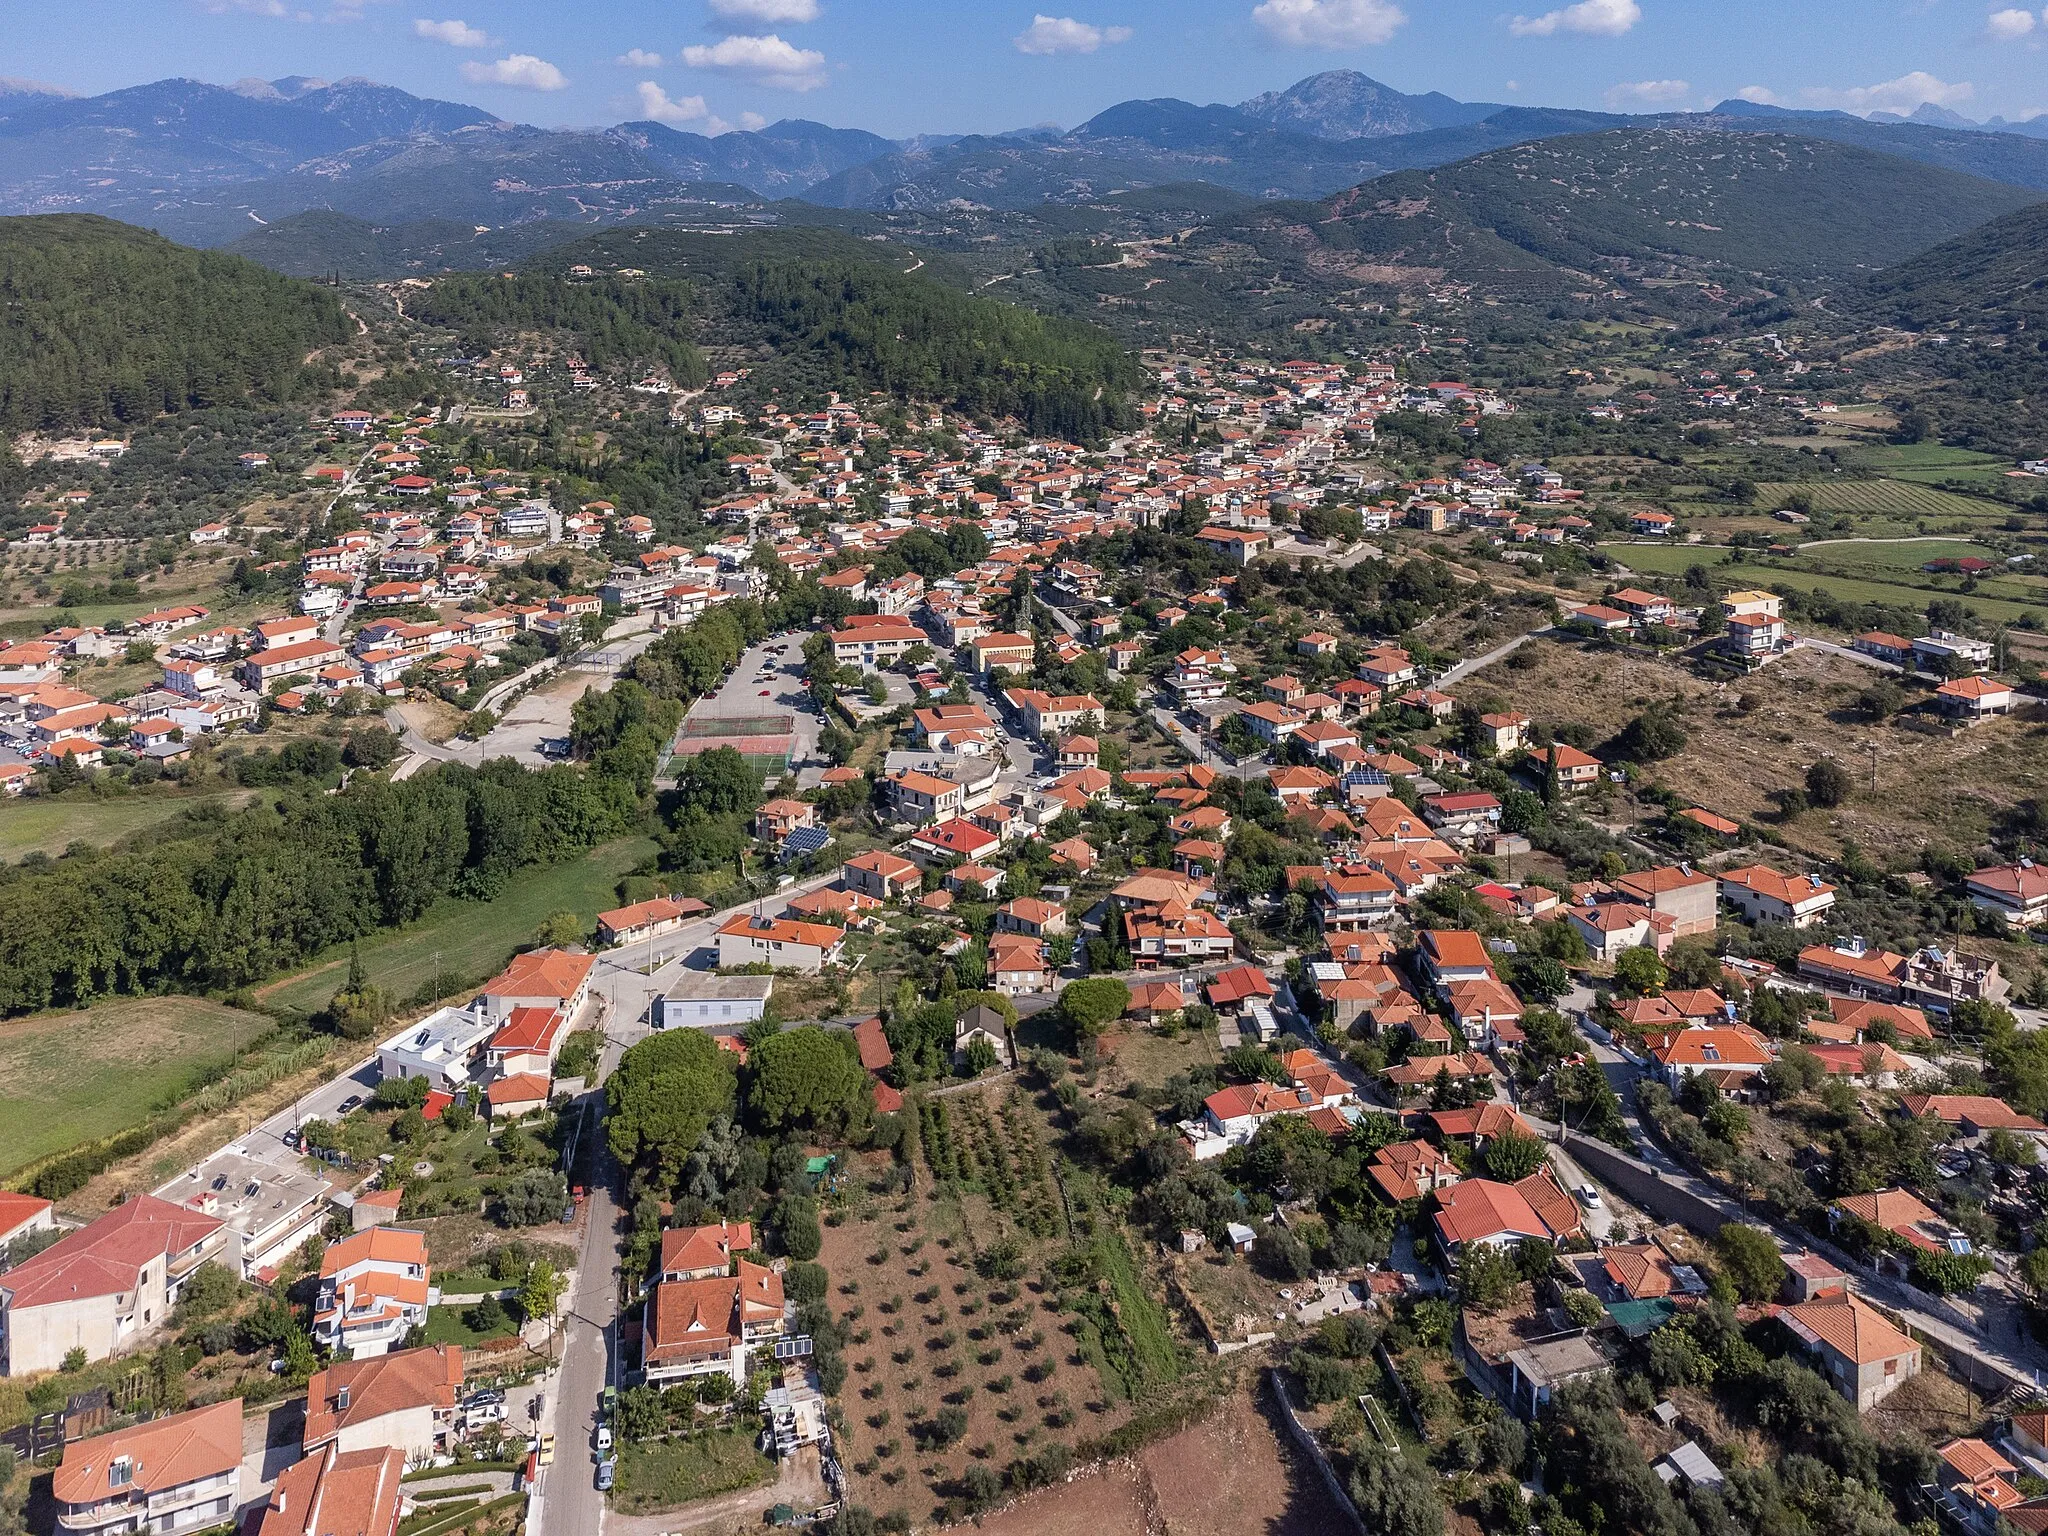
763,740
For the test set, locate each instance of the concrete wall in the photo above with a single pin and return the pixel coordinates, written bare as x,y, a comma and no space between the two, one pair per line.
1639,1182
1313,1451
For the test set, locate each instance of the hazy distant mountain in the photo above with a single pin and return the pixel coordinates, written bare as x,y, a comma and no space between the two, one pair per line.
16,93
1161,142
165,140
783,158
2018,156
1343,104
208,163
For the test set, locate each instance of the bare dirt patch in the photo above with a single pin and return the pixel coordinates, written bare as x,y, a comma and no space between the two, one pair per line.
1751,738
1230,1475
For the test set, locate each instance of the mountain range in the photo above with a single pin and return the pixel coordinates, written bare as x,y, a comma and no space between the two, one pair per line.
207,164
1638,209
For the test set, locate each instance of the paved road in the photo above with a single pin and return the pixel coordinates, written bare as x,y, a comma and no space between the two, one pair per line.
542,715
1876,664
1465,669
2015,1355
1192,743
588,1349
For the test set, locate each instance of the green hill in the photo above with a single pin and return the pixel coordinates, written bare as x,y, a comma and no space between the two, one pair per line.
1616,209
646,322
101,323
323,243
838,313
1987,294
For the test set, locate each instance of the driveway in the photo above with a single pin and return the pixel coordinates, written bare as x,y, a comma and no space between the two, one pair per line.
270,1443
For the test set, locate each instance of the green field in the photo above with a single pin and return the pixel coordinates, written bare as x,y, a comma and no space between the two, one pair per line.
471,939
667,1474
1882,573
52,825
1930,463
69,1077
1850,556
1882,498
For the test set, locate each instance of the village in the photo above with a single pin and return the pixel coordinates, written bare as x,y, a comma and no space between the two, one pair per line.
1199,921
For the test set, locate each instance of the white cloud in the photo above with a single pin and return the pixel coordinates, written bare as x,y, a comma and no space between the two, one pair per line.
1063,34
250,7
521,70
766,60
1901,95
639,58
2008,26
1600,18
1654,92
456,34
1330,23
753,122
1762,95
657,105
766,11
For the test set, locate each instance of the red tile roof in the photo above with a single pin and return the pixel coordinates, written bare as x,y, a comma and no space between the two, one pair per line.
105,1258
162,1455
334,1493
382,1384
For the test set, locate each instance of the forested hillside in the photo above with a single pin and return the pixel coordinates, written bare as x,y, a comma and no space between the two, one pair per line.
1987,292
881,330
840,316
616,320
1541,218
103,323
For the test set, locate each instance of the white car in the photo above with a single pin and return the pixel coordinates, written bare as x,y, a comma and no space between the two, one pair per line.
1589,1197
604,1437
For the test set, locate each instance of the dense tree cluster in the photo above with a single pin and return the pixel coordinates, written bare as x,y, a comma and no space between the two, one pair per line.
616,321
220,903
103,323
880,329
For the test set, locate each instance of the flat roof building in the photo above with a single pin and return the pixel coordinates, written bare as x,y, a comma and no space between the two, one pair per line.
702,1000
445,1047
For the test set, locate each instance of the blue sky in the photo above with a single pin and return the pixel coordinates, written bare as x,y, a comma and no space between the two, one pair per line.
907,66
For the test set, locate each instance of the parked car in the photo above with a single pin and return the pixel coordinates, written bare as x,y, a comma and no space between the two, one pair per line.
1589,1197
605,1476
353,1102
291,1139
604,1437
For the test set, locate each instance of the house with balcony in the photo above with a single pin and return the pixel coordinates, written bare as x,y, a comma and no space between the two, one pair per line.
2016,892
178,1473
407,1400
756,940
374,1288
104,1287
1763,895
710,1323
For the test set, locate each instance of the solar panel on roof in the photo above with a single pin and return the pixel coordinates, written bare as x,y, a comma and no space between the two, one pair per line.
805,840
